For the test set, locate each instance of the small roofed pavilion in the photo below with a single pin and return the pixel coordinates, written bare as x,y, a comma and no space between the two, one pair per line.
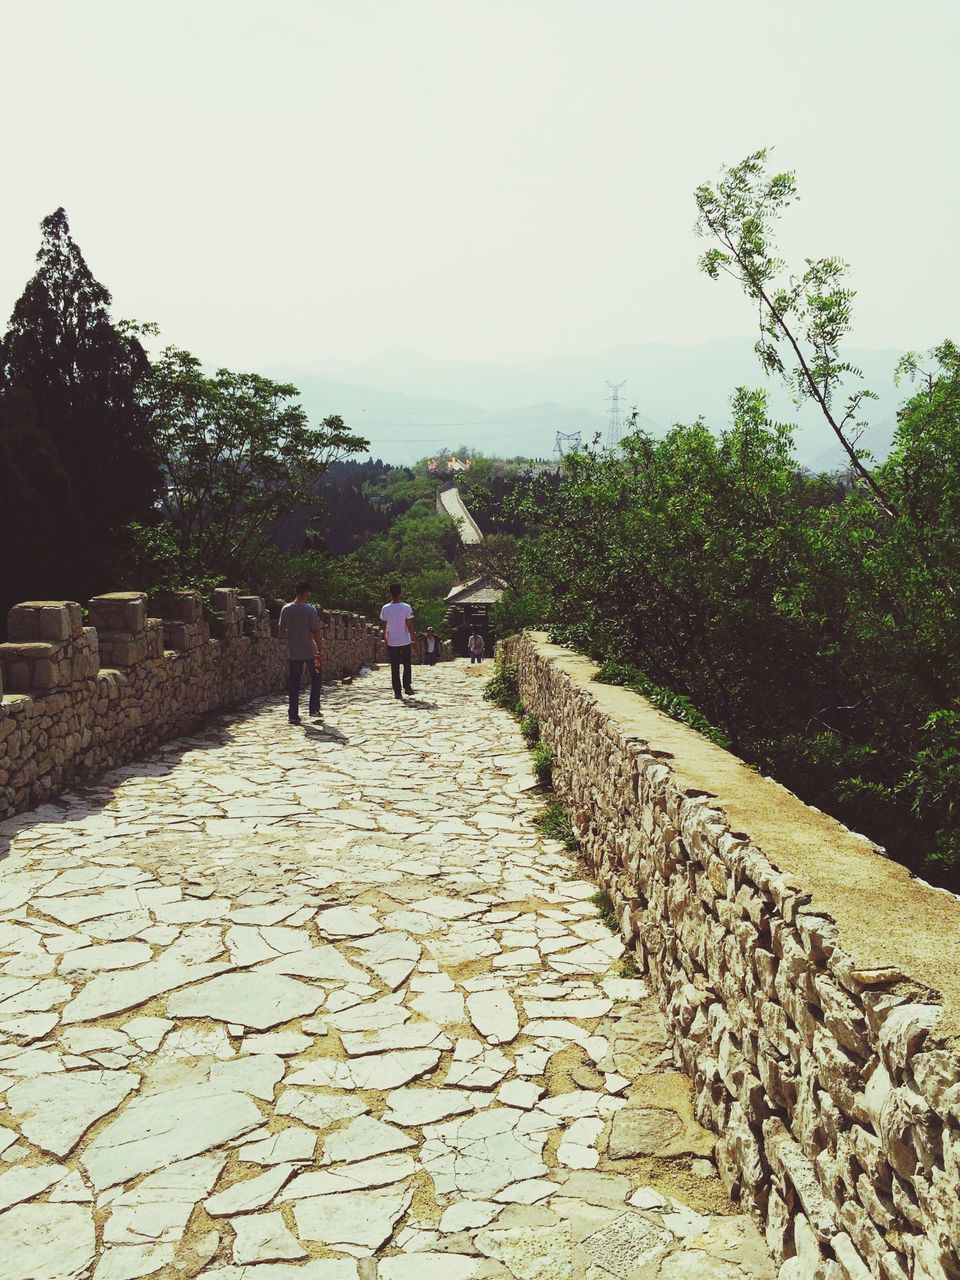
468,606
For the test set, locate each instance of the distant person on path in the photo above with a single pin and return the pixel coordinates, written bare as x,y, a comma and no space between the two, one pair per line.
431,647
398,633
300,624
476,647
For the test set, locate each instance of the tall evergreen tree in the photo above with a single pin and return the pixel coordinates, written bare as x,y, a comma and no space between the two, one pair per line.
78,374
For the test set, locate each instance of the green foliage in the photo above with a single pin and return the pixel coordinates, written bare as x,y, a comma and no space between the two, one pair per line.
804,317
606,910
521,607
552,821
542,759
83,450
502,687
628,965
672,704
783,613
238,454
36,508
530,728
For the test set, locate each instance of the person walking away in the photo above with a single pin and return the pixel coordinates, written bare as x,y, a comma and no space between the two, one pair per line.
398,633
432,647
300,624
476,647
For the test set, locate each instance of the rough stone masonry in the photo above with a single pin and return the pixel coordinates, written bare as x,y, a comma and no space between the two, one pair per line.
76,700
812,986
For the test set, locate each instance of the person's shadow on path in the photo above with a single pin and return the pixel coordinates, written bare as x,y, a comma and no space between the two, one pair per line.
326,733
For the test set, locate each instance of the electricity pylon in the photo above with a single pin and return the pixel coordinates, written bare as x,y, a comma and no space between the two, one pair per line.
615,430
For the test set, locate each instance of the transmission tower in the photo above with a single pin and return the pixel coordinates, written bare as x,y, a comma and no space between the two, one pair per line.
615,430
568,442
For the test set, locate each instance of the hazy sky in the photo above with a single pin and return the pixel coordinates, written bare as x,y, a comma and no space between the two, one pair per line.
493,179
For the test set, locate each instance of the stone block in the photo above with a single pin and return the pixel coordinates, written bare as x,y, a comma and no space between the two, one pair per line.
127,649
183,637
119,611
227,623
178,606
53,620
45,665
225,602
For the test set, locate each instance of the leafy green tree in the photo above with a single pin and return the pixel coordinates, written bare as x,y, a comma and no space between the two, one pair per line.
63,357
238,455
813,620
36,509
808,315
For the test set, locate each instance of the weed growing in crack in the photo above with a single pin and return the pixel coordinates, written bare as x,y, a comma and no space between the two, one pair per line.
608,913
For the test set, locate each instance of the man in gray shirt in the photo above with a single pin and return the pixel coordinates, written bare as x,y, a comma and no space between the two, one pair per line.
300,624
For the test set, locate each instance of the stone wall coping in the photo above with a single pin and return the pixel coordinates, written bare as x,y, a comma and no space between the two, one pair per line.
886,918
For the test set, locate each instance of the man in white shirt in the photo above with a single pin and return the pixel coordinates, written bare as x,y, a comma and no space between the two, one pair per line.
398,634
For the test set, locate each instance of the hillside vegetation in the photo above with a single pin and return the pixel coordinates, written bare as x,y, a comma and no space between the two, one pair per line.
811,621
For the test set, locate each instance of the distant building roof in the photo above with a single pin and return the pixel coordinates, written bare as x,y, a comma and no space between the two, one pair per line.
483,590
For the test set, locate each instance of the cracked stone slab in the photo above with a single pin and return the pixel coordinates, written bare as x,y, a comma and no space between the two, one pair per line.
251,1193
252,999
23,1182
363,1138
58,1111
264,1237
378,1071
482,1153
52,1241
494,1015
381,1171
158,1128
420,1105
355,1221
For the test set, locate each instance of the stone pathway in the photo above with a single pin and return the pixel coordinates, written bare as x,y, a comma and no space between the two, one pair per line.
322,1004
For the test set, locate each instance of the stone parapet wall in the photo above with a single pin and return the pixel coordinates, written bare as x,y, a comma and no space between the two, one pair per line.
812,986
77,700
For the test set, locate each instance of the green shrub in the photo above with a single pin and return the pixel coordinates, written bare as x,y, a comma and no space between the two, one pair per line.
530,728
553,822
542,759
675,705
608,912
502,688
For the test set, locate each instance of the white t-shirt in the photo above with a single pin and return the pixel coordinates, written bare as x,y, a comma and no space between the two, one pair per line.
395,615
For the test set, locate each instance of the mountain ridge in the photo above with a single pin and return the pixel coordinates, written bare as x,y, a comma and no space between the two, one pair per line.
409,403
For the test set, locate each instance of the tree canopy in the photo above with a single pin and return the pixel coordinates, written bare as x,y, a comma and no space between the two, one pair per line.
73,374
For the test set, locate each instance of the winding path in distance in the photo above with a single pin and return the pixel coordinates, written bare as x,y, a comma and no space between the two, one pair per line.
451,502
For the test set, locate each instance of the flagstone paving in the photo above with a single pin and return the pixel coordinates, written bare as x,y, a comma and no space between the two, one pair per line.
321,1003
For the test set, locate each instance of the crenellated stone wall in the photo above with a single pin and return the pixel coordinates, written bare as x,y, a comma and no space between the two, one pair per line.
812,985
77,700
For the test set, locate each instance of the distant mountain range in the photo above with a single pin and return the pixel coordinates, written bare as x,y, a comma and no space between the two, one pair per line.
410,405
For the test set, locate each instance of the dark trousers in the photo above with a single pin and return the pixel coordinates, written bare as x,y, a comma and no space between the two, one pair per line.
431,658
296,670
475,657
400,653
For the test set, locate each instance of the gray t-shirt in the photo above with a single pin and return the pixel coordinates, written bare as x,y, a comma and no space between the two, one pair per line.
299,620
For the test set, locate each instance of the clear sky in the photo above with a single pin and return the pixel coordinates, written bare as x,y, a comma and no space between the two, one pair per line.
492,179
